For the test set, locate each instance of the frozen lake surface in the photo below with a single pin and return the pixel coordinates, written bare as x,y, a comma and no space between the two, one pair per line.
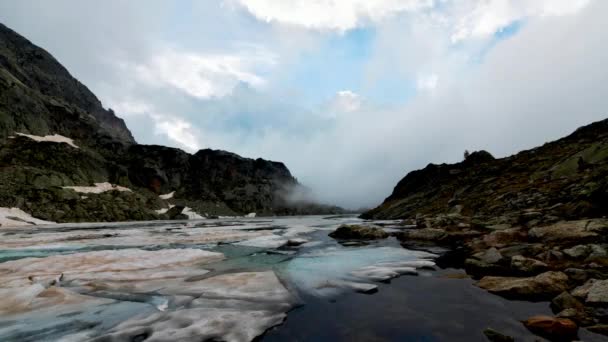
278,279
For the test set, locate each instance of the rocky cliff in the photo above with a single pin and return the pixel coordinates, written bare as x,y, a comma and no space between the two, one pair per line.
566,177
57,141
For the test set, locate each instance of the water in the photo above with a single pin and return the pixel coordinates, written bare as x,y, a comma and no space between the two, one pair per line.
310,283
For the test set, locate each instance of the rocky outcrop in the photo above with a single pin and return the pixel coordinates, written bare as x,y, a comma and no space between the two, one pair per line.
55,134
540,287
356,232
550,178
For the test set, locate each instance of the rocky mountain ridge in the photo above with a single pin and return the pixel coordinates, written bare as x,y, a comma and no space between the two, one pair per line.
42,106
566,176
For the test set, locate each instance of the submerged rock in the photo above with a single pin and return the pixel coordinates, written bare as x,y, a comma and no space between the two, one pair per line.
357,232
555,329
541,287
495,336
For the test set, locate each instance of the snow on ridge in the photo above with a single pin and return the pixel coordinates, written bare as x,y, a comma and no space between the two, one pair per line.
15,217
98,188
167,196
52,138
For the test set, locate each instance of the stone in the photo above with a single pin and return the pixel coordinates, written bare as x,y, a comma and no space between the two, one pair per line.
579,231
566,301
495,336
527,266
540,287
175,213
576,274
594,292
358,232
555,329
424,234
578,252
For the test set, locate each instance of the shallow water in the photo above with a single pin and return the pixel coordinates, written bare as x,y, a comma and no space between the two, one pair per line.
313,286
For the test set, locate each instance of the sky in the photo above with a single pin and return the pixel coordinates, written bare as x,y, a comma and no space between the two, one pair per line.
350,94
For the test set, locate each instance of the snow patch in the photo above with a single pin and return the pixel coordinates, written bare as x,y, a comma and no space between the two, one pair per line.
98,188
167,196
250,215
51,138
15,217
192,215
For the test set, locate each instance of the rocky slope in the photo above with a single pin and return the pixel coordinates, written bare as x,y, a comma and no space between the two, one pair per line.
566,177
55,134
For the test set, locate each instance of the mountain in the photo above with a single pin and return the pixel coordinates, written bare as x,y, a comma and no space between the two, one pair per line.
566,177
56,138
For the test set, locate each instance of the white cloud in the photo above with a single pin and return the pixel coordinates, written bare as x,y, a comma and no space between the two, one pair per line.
177,130
344,101
465,18
427,82
338,15
482,18
205,75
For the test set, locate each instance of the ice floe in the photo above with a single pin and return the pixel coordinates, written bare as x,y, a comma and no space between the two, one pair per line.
15,217
51,138
98,188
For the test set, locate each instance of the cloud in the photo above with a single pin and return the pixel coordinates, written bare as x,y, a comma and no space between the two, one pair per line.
204,75
465,18
338,15
178,130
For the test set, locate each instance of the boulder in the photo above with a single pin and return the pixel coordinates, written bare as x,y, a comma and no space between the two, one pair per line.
566,301
540,287
593,292
580,231
175,213
489,262
527,266
424,234
578,252
357,232
555,329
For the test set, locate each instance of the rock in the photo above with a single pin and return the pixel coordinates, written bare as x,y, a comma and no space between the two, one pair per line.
527,266
542,286
357,232
175,213
424,234
594,292
491,256
577,275
599,329
495,336
566,301
505,236
580,231
555,329
578,252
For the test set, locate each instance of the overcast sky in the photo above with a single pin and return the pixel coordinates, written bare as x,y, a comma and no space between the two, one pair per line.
349,94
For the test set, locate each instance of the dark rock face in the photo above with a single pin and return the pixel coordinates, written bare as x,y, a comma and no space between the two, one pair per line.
547,178
38,96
